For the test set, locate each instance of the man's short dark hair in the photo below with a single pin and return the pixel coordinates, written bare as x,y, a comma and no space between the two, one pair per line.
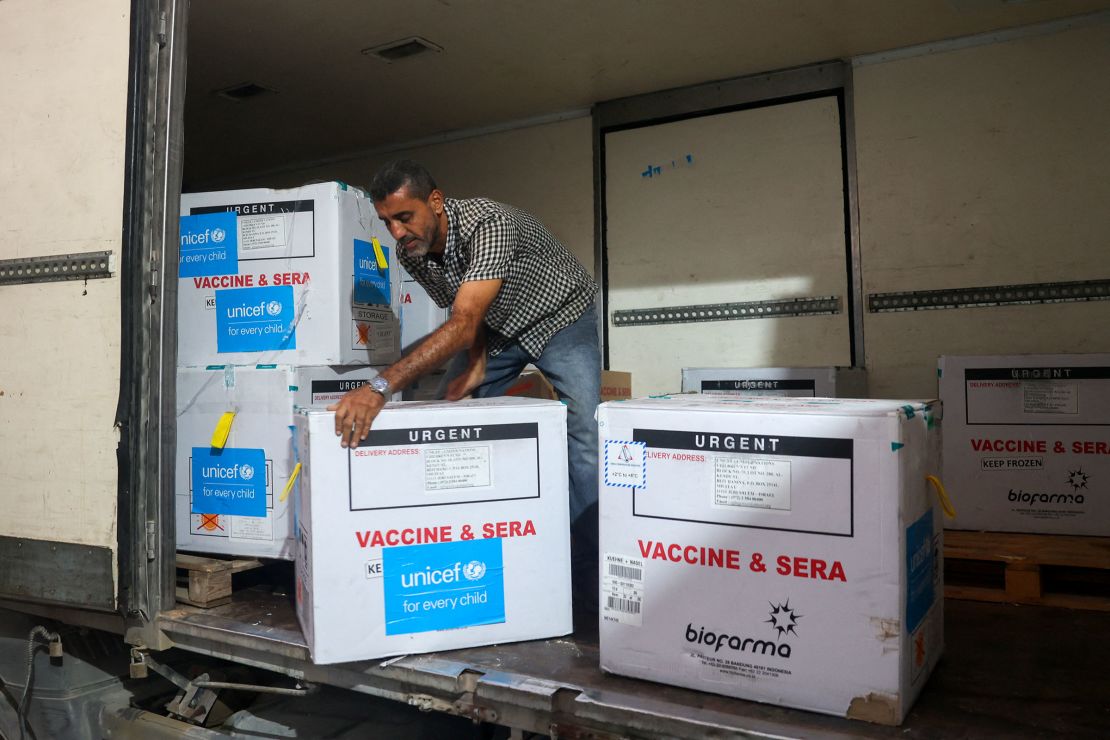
402,173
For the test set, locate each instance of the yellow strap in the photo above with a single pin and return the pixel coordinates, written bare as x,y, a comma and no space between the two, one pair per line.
379,254
223,428
945,502
289,485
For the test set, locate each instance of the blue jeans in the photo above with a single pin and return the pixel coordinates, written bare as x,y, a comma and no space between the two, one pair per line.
572,362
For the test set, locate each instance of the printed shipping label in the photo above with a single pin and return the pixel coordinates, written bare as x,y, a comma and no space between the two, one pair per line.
746,480
740,480
253,527
761,387
1074,395
255,319
371,281
272,225
330,391
1050,397
229,481
209,245
622,589
442,586
625,464
457,467
266,232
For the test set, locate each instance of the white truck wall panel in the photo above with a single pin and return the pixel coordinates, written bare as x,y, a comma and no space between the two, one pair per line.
782,550
285,276
1027,442
446,528
821,382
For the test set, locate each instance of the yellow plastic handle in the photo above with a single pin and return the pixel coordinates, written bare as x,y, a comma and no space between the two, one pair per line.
223,428
379,254
289,484
945,502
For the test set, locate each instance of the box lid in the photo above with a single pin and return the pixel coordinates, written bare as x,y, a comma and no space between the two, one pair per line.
780,405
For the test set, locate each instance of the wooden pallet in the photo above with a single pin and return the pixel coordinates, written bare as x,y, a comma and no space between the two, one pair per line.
206,582
1050,570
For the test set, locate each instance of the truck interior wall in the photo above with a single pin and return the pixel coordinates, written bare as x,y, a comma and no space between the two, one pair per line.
62,188
746,205
983,166
546,170
978,166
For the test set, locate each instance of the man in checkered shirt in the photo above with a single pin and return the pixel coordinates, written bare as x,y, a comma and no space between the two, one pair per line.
517,296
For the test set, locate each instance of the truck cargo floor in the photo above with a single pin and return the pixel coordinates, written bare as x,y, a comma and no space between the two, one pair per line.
1008,671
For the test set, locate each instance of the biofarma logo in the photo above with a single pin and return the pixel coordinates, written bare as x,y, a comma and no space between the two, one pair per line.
1077,479
784,621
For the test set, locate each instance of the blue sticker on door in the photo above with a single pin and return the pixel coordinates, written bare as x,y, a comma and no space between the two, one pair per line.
229,481
920,560
209,245
443,585
255,319
371,282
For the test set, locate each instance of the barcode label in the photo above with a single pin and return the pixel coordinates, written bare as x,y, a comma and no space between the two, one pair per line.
622,589
622,605
625,571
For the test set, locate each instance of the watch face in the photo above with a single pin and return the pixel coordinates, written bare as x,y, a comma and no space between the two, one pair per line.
380,384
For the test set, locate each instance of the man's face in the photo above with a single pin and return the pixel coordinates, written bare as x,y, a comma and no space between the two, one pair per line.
412,222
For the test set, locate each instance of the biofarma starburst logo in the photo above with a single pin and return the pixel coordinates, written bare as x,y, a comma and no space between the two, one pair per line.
784,619
1077,479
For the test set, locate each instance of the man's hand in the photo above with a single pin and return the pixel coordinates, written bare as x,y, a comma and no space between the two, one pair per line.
471,378
354,413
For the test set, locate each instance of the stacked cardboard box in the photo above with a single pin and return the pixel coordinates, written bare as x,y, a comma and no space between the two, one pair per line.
615,386
234,498
1027,442
821,382
776,549
276,287
446,527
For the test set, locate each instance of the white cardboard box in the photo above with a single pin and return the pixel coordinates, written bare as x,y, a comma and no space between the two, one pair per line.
323,385
285,276
1027,442
822,382
774,549
262,399
447,527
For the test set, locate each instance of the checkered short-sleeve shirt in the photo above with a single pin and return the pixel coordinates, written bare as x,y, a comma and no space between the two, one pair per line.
543,289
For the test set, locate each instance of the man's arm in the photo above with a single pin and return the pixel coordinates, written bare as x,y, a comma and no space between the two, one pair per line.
355,412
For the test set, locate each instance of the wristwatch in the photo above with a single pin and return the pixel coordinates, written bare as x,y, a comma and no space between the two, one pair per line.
381,386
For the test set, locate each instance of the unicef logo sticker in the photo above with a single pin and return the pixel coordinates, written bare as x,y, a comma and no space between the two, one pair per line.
246,472
474,570
218,235
273,308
